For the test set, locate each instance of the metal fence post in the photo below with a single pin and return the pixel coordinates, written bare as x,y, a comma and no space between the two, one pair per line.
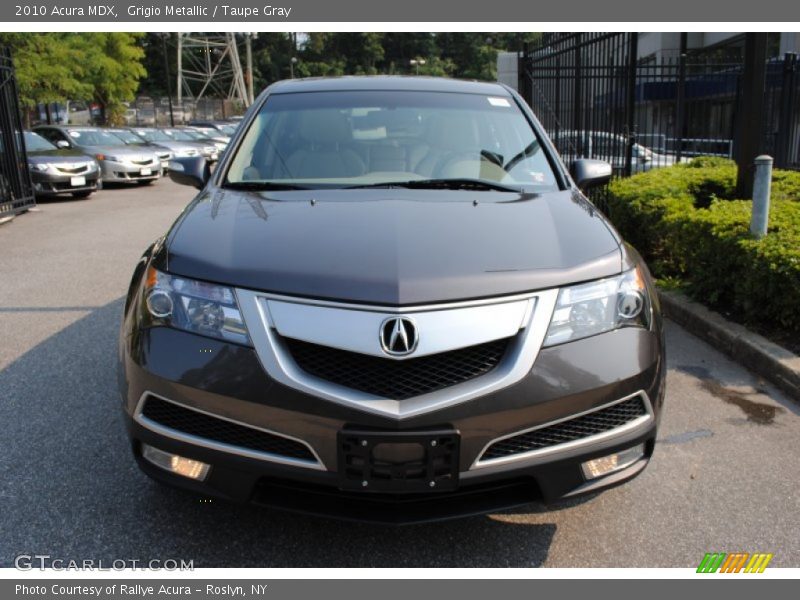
680,109
784,137
630,113
761,186
751,110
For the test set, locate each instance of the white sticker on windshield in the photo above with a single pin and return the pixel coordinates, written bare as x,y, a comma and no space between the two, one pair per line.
499,102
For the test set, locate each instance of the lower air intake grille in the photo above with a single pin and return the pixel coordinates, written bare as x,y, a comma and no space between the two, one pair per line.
578,428
185,420
397,379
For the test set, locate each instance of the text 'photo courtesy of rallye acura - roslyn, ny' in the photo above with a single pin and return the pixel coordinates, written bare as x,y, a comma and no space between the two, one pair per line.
391,301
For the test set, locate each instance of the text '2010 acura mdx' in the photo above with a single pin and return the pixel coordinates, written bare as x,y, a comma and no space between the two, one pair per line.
391,302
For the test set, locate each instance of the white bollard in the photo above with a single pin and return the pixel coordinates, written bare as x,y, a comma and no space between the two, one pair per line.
761,185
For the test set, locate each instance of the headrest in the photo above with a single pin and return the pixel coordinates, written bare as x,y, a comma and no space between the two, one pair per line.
325,127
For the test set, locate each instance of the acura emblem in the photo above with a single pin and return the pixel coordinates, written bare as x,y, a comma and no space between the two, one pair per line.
398,336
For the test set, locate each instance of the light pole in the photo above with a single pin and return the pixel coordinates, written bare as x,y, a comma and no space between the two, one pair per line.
416,62
292,63
249,37
164,37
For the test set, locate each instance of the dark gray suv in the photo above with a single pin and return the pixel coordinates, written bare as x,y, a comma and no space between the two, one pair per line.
391,301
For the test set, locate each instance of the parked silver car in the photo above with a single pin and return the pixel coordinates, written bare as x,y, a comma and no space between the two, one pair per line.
118,163
610,147
207,148
180,149
131,139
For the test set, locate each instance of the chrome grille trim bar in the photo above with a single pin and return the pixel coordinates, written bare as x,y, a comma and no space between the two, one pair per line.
222,446
631,425
280,365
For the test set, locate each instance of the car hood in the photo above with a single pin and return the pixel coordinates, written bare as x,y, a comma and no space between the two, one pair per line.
43,156
119,151
392,246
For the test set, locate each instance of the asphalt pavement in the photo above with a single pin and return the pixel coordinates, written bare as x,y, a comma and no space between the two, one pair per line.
725,476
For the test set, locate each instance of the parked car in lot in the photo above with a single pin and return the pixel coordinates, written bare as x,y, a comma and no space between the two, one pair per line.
59,171
159,136
130,138
612,148
198,147
225,128
118,163
209,133
391,301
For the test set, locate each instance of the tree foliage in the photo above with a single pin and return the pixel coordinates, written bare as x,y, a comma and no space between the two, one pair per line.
55,67
463,55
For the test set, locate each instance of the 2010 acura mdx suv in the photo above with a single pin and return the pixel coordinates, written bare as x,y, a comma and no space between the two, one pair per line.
391,301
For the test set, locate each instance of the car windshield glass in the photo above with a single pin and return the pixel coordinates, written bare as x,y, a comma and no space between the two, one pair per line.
228,129
369,138
178,135
128,137
153,135
35,143
94,137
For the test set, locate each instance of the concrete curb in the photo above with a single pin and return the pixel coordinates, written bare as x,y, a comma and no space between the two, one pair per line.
774,363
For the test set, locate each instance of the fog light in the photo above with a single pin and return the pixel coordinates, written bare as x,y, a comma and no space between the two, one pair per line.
180,465
604,465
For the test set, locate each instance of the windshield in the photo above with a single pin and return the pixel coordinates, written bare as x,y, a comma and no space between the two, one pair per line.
35,143
128,137
153,135
94,137
352,138
227,129
198,135
178,135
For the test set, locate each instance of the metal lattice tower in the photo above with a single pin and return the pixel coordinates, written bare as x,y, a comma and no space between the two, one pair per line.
209,64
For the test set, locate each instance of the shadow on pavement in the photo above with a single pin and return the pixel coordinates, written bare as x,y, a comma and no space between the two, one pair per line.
70,488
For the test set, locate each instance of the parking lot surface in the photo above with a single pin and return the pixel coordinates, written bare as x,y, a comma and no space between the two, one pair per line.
725,476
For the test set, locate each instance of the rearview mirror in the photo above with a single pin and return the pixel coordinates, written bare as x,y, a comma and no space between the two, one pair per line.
190,170
589,173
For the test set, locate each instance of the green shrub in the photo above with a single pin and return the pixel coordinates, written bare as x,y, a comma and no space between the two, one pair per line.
685,222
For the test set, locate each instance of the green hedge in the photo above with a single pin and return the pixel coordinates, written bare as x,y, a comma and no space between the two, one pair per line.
687,223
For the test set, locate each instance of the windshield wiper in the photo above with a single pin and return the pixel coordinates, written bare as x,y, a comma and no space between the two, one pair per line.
446,184
262,186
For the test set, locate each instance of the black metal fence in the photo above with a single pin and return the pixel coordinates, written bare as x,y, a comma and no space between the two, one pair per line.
597,98
16,189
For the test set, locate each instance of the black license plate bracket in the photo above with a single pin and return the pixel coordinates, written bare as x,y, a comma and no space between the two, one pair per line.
398,461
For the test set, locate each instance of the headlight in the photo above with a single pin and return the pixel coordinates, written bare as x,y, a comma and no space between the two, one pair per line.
598,306
38,166
195,306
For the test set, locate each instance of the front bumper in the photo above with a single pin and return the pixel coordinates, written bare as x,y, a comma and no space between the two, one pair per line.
228,381
128,172
51,184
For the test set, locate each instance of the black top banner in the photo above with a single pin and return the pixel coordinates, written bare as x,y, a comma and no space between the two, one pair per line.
440,11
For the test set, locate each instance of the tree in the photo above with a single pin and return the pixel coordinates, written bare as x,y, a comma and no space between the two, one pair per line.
114,68
49,68
57,67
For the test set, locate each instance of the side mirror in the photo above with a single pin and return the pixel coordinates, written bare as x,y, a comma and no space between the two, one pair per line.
62,144
589,173
190,170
